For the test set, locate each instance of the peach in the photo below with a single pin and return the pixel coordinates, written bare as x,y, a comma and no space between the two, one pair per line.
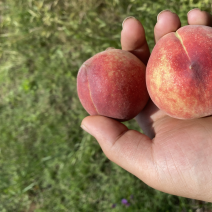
179,73
112,83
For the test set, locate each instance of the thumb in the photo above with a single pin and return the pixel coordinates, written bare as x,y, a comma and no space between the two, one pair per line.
129,149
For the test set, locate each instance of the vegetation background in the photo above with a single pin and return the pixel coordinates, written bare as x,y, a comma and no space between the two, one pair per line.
47,163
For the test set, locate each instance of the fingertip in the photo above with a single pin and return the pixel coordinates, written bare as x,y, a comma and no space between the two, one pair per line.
104,129
198,17
127,18
194,9
133,39
167,22
132,34
160,13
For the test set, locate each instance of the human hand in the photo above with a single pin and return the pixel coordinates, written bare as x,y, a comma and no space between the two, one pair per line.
174,156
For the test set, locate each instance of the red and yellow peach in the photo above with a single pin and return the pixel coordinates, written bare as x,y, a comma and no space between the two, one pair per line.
179,73
112,83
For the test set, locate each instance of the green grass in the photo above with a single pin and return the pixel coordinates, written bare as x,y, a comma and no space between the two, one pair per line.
47,163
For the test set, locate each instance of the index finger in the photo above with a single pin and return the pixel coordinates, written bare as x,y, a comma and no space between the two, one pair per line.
133,39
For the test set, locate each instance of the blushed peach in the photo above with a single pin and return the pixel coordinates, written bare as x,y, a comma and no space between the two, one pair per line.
179,73
112,83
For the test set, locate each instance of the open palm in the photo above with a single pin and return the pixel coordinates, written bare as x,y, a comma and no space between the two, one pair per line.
174,156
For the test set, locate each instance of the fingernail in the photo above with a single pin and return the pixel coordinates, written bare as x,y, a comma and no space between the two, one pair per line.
126,19
85,128
162,12
193,9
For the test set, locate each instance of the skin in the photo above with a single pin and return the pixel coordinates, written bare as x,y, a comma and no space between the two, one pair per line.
173,156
